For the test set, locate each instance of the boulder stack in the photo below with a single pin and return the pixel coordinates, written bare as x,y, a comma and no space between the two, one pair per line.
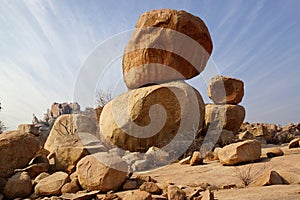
160,107
225,113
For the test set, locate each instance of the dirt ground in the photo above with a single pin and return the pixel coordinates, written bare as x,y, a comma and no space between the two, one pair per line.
218,176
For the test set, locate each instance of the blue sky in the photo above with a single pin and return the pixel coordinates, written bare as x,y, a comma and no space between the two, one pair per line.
44,44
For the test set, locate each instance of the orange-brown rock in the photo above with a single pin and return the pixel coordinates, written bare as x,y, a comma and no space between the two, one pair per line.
16,150
166,45
152,116
240,152
229,117
101,171
225,90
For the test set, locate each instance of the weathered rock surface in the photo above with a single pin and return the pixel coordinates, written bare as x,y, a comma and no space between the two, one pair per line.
151,116
294,143
150,187
207,195
80,196
175,193
96,172
28,128
246,135
138,195
18,186
274,152
52,184
16,150
225,90
196,159
152,56
229,117
71,187
34,169
269,178
68,144
226,137
240,152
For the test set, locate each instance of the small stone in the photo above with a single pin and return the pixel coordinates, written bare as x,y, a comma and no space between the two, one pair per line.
175,193
130,185
40,177
274,152
246,135
207,195
143,178
150,187
71,187
196,159
159,197
269,178
80,195
295,143
138,195
185,161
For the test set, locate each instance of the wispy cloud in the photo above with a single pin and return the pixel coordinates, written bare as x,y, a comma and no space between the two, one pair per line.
44,43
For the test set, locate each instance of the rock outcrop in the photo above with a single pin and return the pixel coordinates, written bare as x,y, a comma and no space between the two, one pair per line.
152,56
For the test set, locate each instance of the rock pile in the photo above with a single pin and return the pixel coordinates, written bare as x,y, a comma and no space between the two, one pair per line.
269,133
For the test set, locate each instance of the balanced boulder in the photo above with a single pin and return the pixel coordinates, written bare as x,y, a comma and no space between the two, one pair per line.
229,117
16,150
101,171
152,116
225,90
166,45
241,152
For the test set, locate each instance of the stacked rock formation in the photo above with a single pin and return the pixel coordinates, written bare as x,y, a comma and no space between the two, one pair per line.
166,48
225,115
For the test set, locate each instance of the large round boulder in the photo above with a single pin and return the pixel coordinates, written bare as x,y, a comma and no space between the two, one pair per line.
153,116
229,117
166,45
16,151
225,90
